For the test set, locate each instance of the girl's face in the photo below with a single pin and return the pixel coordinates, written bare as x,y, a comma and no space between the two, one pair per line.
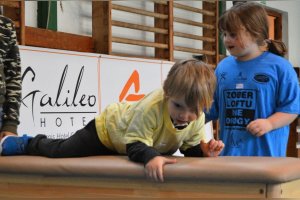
243,48
180,112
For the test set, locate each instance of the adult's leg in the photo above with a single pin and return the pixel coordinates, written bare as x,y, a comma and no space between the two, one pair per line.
84,142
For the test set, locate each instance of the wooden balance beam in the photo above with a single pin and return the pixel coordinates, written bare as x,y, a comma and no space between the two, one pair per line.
117,177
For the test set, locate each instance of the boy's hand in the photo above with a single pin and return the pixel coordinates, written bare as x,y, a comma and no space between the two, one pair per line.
213,148
154,168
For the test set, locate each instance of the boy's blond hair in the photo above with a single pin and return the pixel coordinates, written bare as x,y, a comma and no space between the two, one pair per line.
194,80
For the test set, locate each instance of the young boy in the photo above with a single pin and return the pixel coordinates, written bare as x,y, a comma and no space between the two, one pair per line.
157,125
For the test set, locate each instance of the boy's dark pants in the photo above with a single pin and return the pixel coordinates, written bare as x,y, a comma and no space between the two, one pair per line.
84,142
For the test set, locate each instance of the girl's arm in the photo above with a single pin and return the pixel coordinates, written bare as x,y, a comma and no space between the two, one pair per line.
259,127
280,119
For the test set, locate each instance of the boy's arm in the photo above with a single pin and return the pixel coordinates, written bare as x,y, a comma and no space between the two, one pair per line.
140,152
211,149
194,151
152,159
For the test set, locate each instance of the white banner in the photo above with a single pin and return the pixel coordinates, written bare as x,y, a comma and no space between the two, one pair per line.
127,79
60,91
166,66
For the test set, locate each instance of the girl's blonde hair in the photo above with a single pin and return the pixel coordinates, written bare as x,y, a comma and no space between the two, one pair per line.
194,80
253,17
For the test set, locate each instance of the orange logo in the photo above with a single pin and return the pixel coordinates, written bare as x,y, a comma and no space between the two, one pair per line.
134,80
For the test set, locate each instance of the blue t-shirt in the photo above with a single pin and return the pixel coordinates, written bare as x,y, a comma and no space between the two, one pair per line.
248,90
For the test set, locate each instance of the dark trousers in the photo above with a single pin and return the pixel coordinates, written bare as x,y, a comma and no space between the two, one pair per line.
84,142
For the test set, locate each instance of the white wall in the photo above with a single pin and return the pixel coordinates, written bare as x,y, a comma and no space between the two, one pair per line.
31,13
76,18
291,25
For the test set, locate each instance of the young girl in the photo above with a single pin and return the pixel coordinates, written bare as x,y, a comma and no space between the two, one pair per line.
257,94
159,124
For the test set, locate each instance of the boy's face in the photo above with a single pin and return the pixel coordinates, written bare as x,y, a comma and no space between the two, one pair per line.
180,112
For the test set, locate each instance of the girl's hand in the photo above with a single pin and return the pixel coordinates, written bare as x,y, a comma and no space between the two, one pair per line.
259,127
213,148
154,168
